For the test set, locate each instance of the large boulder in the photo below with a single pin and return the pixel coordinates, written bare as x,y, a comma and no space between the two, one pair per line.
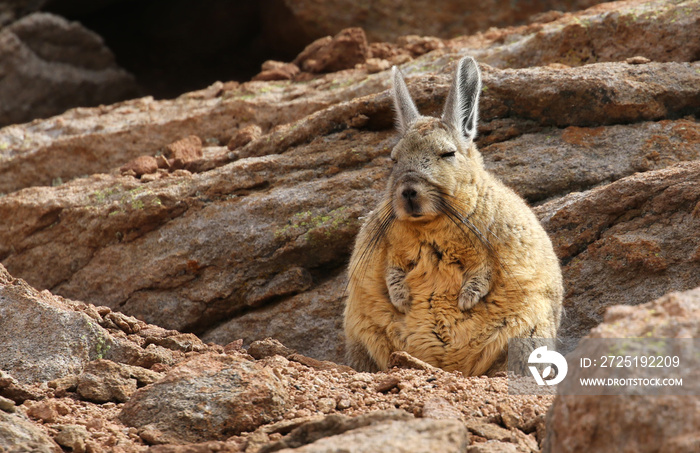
49,65
46,337
17,435
626,241
633,423
208,397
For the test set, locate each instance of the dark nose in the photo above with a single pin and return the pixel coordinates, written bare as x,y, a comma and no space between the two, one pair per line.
409,194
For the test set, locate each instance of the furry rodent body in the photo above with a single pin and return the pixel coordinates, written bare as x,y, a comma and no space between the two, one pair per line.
452,263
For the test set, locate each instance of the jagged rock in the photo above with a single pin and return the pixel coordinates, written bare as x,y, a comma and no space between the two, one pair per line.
383,431
613,31
440,409
15,391
296,22
103,380
277,70
73,437
43,340
184,152
48,410
345,50
7,405
244,136
256,247
626,241
50,65
209,397
47,337
19,435
639,422
140,166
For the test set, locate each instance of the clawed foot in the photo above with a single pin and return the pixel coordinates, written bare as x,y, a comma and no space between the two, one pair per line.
399,294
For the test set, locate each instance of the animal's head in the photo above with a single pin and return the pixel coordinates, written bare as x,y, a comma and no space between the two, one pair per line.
436,158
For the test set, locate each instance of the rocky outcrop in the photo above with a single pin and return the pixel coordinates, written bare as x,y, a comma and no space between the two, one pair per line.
214,398
632,239
299,21
49,65
47,338
250,240
53,151
230,213
636,423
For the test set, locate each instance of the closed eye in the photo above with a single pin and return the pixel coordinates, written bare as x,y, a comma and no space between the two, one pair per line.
446,155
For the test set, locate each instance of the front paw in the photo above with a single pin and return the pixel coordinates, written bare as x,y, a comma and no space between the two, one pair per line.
399,294
400,298
468,297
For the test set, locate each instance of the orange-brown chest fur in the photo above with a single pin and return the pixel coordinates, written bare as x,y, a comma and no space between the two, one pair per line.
435,257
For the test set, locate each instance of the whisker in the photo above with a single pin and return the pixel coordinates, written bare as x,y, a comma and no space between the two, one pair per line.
461,221
377,231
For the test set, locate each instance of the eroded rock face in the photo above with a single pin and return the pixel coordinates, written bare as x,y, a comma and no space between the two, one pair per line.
625,241
210,397
634,423
251,240
49,338
297,20
41,340
50,65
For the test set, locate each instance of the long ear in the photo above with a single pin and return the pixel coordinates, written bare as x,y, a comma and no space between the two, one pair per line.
462,105
406,111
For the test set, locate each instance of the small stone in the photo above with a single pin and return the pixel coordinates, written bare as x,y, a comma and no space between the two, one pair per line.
358,121
374,65
343,51
344,403
487,430
7,405
104,380
184,152
48,411
72,436
387,384
128,324
637,60
402,359
419,45
234,346
509,417
277,70
267,348
185,342
326,405
244,136
440,409
162,162
140,166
